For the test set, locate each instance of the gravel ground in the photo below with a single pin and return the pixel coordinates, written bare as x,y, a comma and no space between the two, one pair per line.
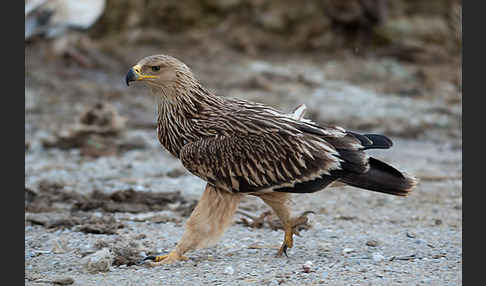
356,237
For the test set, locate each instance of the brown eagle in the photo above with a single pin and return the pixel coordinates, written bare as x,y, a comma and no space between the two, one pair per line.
244,148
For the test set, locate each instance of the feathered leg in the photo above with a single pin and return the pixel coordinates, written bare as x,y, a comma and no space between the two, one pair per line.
207,223
279,203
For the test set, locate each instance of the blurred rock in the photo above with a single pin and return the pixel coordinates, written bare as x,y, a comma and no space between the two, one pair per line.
99,261
94,133
372,243
377,257
416,29
62,280
51,18
103,118
307,267
126,252
347,251
229,270
356,14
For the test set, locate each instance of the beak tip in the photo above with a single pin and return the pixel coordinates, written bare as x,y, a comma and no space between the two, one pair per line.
130,77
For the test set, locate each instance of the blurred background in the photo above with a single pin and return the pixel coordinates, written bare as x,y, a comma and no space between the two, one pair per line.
390,67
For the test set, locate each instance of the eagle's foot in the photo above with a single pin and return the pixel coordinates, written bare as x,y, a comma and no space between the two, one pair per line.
287,243
291,229
170,258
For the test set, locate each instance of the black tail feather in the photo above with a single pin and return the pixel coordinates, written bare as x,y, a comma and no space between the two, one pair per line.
373,141
382,178
379,141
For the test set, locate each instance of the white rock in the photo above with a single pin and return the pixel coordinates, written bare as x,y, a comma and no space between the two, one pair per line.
307,266
377,257
99,261
347,250
229,270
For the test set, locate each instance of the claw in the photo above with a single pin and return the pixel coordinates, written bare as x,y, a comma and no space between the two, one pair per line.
292,229
307,212
282,250
301,220
296,232
165,259
150,257
285,250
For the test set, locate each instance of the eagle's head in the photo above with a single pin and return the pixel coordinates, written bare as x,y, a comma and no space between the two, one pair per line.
161,72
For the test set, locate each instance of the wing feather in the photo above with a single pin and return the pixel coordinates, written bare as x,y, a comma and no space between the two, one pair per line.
255,163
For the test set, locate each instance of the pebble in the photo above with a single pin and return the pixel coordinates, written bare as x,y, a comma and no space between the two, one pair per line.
377,257
411,234
57,281
99,261
347,250
420,241
229,270
63,281
307,267
372,243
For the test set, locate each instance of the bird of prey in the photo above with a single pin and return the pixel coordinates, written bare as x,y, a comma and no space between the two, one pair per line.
244,148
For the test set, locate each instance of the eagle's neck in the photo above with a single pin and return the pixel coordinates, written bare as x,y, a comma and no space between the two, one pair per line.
179,110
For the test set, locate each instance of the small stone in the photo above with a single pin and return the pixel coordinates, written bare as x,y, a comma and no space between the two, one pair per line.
347,250
372,243
307,267
63,281
437,256
99,261
229,270
325,246
420,241
411,234
377,257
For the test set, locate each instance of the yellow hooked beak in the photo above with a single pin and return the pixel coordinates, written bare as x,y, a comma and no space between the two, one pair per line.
134,74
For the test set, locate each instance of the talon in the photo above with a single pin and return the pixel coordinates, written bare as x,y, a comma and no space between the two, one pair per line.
288,242
282,250
150,257
159,258
290,230
165,259
307,212
301,222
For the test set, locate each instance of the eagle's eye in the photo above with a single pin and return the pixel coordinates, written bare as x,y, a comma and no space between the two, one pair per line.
155,68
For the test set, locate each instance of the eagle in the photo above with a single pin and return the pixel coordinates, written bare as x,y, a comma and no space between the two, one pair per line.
245,148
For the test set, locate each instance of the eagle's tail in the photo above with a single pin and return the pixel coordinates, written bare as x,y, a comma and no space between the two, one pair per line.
382,178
